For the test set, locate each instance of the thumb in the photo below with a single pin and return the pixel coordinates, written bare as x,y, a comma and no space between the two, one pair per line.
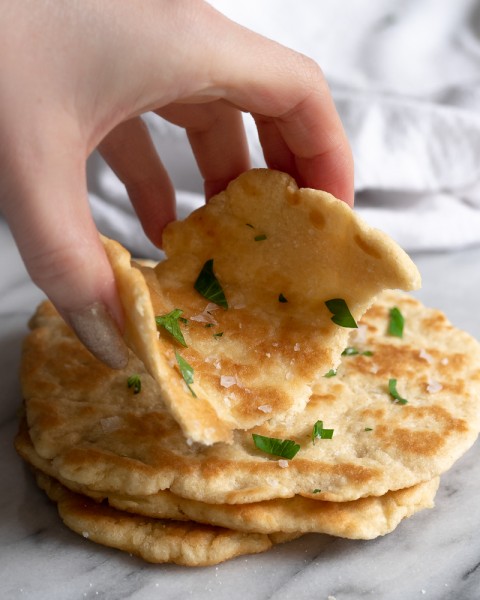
47,210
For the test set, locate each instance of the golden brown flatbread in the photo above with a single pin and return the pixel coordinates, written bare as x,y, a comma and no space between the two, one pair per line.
280,255
155,540
99,434
365,518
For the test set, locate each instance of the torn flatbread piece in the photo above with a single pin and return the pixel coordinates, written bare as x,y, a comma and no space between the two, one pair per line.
256,299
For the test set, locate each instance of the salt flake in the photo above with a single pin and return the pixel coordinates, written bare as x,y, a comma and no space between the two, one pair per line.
227,381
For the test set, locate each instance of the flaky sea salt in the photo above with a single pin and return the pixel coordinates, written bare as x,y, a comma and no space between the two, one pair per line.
205,316
444,361
111,424
283,464
266,408
434,386
296,348
426,356
227,381
374,368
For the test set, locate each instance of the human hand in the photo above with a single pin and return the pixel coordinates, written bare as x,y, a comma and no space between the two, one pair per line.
77,75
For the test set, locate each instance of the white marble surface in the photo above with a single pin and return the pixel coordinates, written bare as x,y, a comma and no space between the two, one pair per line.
435,555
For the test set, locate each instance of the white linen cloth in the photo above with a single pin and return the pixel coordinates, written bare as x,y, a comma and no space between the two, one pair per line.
405,75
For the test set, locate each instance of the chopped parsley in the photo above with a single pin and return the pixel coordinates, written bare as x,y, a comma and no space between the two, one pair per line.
341,313
352,351
170,322
208,285
135,382
368,429
218,335
284,448
392,388
186,371
331,373
316,491
319,432
396,322
282,299
260,237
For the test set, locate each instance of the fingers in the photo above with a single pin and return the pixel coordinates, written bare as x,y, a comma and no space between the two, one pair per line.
58,241
316,154
298,124
130,152
217,137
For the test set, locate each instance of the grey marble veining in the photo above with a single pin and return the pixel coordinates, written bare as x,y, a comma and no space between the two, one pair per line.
434,555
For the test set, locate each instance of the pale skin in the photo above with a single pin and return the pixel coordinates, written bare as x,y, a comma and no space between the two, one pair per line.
76,75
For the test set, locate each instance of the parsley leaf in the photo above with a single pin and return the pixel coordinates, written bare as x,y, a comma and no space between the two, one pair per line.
281,298
319,432
283,448
135,382
351,351
208,285
392,388
316,491
368,429
170,322
186,371
218,335
260,238
331,373
341,313
396,323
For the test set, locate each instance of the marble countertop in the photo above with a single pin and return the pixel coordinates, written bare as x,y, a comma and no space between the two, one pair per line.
435,554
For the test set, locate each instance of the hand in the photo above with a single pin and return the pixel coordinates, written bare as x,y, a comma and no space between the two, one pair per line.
77,75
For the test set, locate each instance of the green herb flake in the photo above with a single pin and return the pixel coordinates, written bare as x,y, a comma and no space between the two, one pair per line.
341,313
186,371
392,388
282,299
319,432
331,373
284,448
209,287
135,383
218,335
208,325
351,351
260,238
170,322
316,491
368,429
396,322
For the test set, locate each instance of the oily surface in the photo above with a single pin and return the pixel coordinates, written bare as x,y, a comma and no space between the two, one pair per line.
365,518
82,417
279,253
154,540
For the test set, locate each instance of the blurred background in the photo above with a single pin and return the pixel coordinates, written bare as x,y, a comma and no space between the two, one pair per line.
405,77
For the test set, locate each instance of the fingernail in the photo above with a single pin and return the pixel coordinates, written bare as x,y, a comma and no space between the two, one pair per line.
97,330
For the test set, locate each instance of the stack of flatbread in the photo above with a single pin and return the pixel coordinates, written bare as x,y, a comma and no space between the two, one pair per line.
278,384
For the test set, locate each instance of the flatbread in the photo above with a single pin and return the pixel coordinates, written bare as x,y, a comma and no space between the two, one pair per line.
97,433
280,253
366,518
154,540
